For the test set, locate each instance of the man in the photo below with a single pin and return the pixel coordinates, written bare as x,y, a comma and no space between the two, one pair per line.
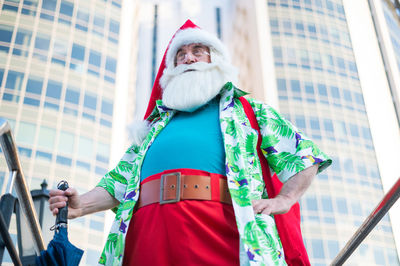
190,191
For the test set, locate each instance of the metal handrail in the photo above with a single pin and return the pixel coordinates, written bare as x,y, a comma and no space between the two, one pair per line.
21,188
7,206
372,220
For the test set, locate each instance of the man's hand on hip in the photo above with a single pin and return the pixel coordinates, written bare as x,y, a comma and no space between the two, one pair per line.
290,193
278,205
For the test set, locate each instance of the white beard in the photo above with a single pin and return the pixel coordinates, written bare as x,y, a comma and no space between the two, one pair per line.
187,91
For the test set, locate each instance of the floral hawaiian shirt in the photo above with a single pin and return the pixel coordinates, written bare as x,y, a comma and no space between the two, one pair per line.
287,150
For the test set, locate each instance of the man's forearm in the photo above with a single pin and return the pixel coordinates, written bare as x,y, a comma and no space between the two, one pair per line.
98,199
295,187
290,193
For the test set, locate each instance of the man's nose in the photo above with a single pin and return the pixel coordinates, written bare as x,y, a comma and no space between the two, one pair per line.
190,58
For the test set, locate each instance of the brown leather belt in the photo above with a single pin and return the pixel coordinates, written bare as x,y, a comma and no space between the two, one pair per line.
174,187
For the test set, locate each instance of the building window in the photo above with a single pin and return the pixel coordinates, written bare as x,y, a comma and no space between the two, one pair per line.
218,17
98,226
34,86
354,130
95,58
78,52
83,165
317,248
281,85
53,89
90,102
42,43
328,125
356,209
47,137
114,26
300,122
311,203
103,152
67,8
347,95
327,204
1,76
72,96
64,160
60,51
43,155
31,101
25,152
66,143
154,46
100,171
379,256
314,123
92,255
26,133
14,80
333,248
341,205
107,107
11,7
335,92
322,90
309,87
295,85
111,64
6,34
49,5
82,19
85,148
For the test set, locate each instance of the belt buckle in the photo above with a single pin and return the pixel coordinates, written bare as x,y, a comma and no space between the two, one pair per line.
178,188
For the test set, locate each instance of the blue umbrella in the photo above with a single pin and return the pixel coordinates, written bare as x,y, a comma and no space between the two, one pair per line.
60,252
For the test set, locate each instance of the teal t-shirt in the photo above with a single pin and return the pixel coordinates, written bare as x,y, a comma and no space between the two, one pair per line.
190,140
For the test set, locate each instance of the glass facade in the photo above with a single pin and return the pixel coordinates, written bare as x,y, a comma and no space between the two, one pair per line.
391,10
319,91
58,63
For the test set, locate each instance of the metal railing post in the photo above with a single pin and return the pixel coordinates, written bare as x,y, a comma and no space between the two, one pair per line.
21,188
7,206
377,214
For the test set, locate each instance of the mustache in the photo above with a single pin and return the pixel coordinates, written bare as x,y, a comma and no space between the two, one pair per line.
199,66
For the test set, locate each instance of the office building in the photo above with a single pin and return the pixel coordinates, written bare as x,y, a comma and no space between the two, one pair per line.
311,60
58,65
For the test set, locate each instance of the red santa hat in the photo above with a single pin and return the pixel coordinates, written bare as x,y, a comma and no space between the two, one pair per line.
188,33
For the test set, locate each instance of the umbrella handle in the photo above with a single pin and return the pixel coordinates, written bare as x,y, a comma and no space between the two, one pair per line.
62,216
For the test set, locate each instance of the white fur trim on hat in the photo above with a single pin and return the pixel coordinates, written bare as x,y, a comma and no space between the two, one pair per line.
194,35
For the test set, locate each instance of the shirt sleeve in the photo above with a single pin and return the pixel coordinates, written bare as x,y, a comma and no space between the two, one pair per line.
116,181
287,150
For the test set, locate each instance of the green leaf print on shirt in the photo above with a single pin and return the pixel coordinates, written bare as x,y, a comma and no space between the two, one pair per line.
240,196
118,177
304,144
125,166
285,161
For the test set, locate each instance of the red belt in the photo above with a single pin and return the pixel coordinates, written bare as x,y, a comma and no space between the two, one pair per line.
177,186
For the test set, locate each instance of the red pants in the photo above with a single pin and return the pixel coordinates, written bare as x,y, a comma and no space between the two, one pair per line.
188,232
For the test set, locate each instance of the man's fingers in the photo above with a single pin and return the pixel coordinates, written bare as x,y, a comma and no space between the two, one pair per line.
260,205
55,199
71,192
56,192
267,211
57,205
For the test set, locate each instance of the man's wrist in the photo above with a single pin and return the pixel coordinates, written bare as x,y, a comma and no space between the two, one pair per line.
286,200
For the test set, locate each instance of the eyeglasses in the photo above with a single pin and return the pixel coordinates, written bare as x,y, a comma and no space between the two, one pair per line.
197,51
